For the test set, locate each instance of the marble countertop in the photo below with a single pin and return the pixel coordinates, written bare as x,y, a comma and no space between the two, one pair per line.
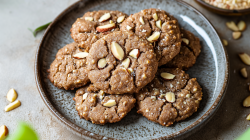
17,56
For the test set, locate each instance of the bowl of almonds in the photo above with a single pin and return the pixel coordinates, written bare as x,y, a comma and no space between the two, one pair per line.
226,7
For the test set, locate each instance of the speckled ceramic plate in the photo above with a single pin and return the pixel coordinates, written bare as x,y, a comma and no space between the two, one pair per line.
211,70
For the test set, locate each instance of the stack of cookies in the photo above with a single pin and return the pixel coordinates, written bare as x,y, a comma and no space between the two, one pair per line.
119,61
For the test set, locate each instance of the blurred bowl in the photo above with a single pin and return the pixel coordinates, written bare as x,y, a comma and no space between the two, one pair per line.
221,11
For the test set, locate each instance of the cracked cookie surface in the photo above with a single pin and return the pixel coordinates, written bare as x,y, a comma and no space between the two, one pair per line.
154,102
100,108
188,53
66,71
84,30
149,21
116,77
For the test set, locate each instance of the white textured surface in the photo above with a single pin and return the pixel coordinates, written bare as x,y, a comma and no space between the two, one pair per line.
17,54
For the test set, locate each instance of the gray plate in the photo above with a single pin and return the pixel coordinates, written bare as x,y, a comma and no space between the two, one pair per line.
211,71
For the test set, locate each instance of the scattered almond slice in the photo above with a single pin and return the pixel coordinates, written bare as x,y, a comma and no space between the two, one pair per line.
246,102
130,70
120,19
225,43
104,17
128,27
236,35
111,21
110,103
245,58
141,20
243,72
135,53
231,25
170,97
186,41
126,63
3,132
154,37
117,50
89,18
248,117
167,76
12,105
80,55
11,95
155,16
84,96
242,25
158,24
102,63
105,28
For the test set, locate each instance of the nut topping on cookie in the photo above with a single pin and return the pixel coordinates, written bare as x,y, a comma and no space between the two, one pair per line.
120,19
117,50
141,20
135,53
170,97
105,28
126,63
110,103
155,16
80,55
130,70
102,63
186,41
154,37
89,18
167,76
104,17
158,24
84,96
128,28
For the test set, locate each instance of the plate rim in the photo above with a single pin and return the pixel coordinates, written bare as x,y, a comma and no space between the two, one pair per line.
88,134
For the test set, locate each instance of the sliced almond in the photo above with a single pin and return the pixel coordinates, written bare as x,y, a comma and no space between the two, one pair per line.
153,98
104,17
246,102
105,28
231,25
154,37
167,76
243,72
102,63
186,41
236,35
80,55
248,117
126,63
135,53
130,70
12,105
158,24
128,28
120,19
111,21
245,58
84,96
155,16
89,18
170,97
3,132
11,95
110,103
242,25
225,43
117,50
141,20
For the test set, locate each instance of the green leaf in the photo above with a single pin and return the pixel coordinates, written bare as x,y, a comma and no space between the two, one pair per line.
43,27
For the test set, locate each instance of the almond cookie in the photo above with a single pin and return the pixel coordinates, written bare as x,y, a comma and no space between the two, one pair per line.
68,70
121,62
159,28
190,50
100,108
94,25
171,97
